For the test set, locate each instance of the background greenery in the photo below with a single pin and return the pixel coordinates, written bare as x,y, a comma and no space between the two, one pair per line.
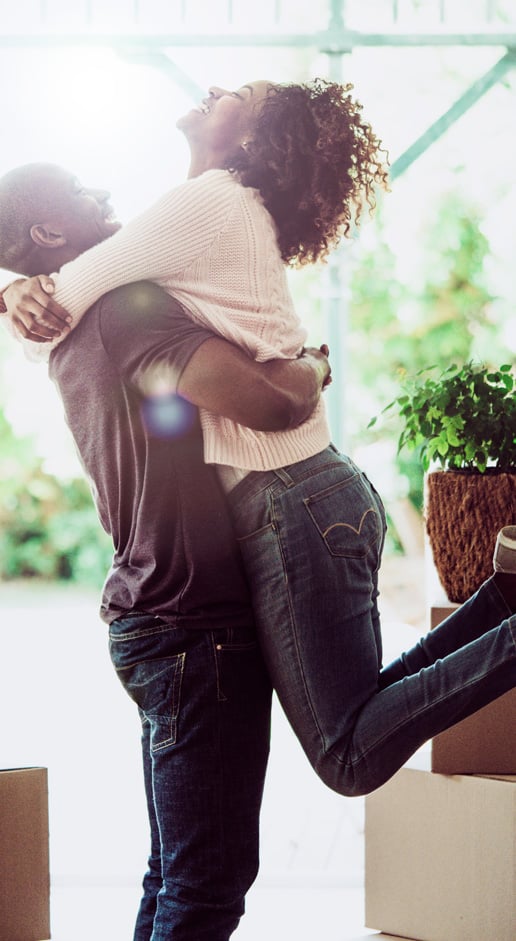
400,322
48,526
396,330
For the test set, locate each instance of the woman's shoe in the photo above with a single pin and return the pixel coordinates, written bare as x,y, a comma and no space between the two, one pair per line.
504,558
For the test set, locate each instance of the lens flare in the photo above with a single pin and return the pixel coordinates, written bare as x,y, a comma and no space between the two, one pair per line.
168,415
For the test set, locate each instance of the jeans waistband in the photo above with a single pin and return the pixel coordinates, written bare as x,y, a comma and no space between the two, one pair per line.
256,481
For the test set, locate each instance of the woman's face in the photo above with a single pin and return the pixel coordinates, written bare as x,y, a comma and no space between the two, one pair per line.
225,119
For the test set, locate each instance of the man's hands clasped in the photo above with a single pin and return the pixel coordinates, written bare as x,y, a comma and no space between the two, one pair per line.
319,360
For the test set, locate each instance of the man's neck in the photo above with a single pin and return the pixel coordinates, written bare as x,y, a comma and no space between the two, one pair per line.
46,262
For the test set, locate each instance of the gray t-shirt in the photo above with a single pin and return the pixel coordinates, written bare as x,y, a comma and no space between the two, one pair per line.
174,551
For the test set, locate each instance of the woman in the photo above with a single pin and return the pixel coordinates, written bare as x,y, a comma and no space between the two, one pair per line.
278,174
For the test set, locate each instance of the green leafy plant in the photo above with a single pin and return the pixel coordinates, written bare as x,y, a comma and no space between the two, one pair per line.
463,419
48,527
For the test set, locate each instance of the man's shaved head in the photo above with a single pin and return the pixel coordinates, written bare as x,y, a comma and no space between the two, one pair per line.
26,195
47,217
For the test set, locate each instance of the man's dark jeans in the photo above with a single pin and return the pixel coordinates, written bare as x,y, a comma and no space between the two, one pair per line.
204,700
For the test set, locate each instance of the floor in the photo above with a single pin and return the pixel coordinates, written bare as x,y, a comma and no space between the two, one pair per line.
273,912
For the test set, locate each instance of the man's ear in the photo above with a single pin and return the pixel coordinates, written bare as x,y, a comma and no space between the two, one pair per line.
46,235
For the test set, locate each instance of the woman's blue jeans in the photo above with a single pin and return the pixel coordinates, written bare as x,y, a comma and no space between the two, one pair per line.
204,699
311,536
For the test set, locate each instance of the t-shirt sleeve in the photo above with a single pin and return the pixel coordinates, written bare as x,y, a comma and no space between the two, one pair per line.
149,338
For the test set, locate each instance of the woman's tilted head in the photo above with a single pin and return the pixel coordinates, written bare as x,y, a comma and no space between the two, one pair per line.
316,163
223,121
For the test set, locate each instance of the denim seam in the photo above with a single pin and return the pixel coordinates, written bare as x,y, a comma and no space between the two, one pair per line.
215,648
176,700
415,715
143,632
349,554
255,532
498,599
512,628
246,492
294,628
312,471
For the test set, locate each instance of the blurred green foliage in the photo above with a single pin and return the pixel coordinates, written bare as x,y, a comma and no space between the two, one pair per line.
398,329
48,527
443,320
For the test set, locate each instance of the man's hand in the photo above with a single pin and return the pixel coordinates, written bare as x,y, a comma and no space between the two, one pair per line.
320,362
32,310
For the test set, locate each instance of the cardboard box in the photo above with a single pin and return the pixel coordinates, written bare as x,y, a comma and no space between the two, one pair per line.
441,857
484,743
24,861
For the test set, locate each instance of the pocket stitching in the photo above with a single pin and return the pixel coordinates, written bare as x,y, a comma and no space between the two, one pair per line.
349,552
176,700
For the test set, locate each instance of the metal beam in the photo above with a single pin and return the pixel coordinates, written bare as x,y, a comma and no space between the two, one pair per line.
159,60
466,101
334,41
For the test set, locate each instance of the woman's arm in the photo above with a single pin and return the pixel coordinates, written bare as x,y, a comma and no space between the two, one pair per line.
33,312
158,244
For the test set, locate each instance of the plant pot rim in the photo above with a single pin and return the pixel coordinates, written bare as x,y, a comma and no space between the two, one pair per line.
473,471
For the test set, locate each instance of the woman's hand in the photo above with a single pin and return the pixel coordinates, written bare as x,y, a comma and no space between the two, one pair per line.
32,310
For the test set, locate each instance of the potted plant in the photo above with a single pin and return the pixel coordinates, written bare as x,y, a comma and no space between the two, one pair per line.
464,420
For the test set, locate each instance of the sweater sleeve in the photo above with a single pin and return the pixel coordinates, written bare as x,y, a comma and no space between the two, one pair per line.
158,244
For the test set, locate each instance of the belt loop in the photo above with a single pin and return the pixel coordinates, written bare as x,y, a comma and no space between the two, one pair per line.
283,476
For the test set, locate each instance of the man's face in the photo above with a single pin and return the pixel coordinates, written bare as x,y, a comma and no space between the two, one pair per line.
82,215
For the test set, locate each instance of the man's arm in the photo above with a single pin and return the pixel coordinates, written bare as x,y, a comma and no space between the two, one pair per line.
157,347
271,396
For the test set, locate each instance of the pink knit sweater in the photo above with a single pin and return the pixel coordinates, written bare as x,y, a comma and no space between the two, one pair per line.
212,244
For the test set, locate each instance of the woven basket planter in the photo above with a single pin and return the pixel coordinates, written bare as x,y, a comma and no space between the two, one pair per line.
464,511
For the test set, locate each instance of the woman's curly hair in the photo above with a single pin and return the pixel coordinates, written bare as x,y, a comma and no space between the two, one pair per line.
315,162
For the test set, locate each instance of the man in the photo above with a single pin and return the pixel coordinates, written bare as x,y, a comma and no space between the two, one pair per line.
181,629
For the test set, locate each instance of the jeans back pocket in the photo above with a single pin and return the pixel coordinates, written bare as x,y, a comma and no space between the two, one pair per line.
346,516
